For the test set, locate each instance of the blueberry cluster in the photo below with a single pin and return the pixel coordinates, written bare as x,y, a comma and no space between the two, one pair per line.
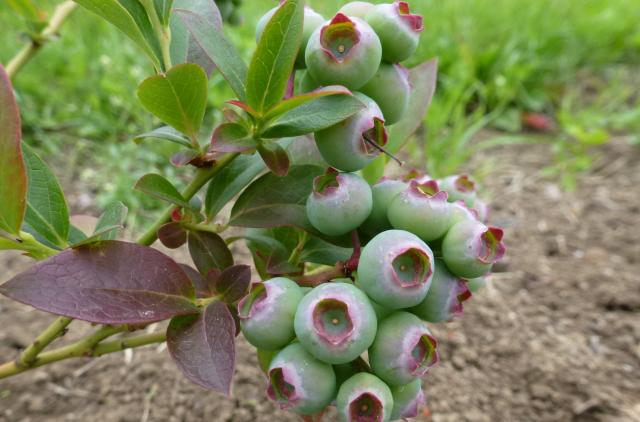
362,343
312,341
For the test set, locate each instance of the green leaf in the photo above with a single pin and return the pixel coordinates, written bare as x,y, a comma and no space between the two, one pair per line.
319,251
273,201
178,97
159,187
184,47
315,115
423,80
231,181
112,218
216,46
27,10
13,177
163,9
273,60
166,133
130,17
75,235
294,102
47,211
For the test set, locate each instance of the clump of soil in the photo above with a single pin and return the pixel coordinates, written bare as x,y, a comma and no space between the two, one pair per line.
555,337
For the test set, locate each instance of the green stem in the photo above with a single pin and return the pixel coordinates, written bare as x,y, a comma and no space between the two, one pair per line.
163,33
87,347
27,52
211,228
202,177
55,330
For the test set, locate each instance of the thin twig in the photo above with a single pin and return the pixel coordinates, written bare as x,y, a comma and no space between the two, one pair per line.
60,15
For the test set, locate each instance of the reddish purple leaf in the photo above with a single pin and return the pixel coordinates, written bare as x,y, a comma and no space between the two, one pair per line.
182,158
203,347
172,235
13,177
233,282
110,282
232,137
275,157
202,284
208,251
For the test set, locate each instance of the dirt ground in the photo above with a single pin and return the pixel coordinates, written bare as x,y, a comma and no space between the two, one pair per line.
555,337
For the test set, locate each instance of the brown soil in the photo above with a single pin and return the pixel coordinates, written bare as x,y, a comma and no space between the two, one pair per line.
554,338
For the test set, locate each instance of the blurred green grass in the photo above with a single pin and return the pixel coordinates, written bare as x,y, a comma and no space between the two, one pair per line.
497,59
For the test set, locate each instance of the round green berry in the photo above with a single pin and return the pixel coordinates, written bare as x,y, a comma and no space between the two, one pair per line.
355,142
407,400
357,9
445,297
390,89
335,322
339,203
459,188
421,209
395,269
383,193
299,382
470,248
267,312
404,349
364,397
344,51
398,29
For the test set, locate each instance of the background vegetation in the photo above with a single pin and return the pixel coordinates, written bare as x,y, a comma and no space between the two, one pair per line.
574,63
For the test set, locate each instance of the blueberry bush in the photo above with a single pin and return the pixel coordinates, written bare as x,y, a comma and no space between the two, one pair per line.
352,264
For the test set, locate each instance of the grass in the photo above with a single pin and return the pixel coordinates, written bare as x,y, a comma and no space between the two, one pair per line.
497,58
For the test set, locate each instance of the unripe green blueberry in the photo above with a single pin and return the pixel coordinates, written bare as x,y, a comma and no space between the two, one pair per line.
357,9
344,51
477,284
407,400
404,349
460,212
312,20
398,29
299,382
351,144
445,296
470,248
421,209
395,269
364,397
265,357
267,311
335,322
482,209
306,83
459,188
390,89
383,193
339,202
